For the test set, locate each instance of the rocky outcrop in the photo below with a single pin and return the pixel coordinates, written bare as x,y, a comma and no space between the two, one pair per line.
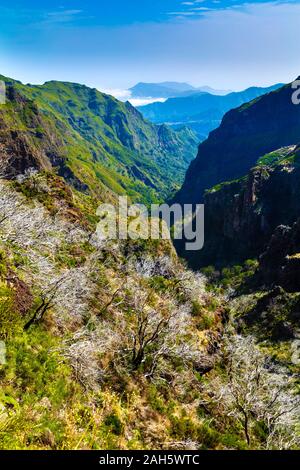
17,149
280,263
28,140
276,315
241,216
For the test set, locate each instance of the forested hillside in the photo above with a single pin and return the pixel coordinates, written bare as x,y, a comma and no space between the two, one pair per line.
97,142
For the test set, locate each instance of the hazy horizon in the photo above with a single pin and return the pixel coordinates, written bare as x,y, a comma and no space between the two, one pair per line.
125,94
224,44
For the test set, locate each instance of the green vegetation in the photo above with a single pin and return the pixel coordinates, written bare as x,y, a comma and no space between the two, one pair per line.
111,344
282,156
105,144
223,185
84,374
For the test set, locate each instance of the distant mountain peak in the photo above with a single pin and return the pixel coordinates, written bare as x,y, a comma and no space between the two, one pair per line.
201,111
160,90
170,90
177,86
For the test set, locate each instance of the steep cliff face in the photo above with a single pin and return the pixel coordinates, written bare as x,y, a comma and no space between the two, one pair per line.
280,263
97,143
261,126
241,216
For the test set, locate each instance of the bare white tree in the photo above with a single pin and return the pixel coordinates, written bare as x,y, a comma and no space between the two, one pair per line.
155,334
37,237
252,393
148,266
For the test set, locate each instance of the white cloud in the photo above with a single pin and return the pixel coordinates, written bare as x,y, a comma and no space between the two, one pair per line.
60,16
125,95
144,101
184,13
118,93
64,13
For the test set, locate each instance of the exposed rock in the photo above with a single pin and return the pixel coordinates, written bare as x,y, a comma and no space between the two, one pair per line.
283,331
25,146
241,216
23,298
275,315
280,263
205,364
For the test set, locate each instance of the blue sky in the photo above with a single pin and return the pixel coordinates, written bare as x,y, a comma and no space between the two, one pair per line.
112,44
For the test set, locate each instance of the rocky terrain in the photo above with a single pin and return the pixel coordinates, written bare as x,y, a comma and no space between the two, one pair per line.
242,215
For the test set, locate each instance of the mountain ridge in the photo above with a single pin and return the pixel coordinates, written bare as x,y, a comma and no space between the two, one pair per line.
267,123
170,90
117,147
202,112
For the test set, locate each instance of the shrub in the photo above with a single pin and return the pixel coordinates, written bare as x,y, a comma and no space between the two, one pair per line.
114,423
10,320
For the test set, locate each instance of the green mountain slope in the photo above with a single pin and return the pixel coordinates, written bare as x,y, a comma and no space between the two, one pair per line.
96,140
116,345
